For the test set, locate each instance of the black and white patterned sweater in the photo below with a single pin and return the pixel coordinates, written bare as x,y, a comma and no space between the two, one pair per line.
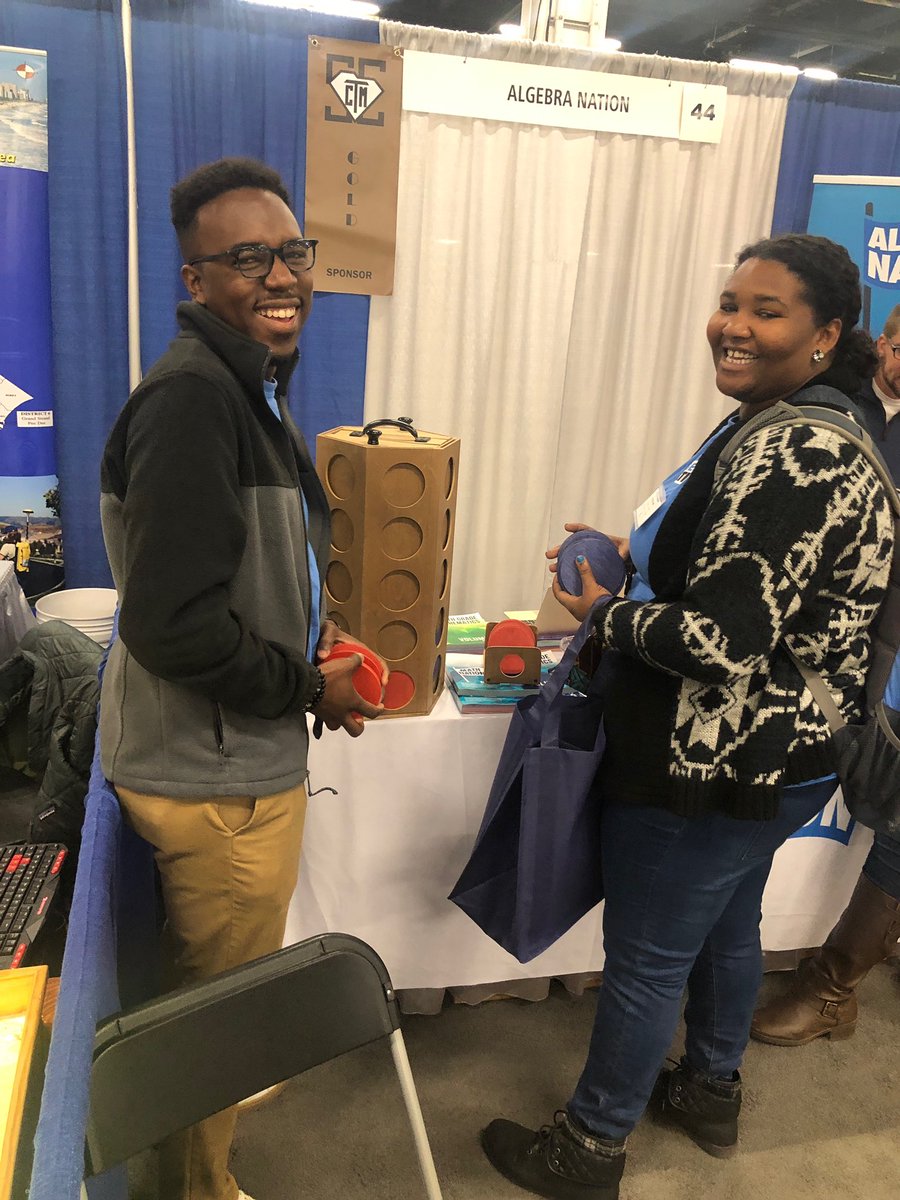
703,709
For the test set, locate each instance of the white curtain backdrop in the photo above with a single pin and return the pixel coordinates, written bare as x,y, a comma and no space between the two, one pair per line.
550,302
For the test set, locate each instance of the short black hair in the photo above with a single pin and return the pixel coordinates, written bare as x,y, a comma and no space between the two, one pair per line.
831,288
211,180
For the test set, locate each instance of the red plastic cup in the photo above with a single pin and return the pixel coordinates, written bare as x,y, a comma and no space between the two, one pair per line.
368,683
512,665
367,676
400,690
512,633
344,649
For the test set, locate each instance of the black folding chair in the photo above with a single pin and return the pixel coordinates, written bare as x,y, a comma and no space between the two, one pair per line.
182,1057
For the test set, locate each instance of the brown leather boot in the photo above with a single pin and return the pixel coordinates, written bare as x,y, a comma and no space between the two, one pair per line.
821,1001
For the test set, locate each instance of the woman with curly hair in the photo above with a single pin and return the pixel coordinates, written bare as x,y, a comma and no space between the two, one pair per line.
716,751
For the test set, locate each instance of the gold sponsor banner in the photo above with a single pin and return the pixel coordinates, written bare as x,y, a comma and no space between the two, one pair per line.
352,161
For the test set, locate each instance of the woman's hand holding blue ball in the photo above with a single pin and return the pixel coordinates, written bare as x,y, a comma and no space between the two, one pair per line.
591,590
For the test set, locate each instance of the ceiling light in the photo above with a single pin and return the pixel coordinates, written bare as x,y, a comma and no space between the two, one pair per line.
610,45
334,8
820,73
750,64
510,31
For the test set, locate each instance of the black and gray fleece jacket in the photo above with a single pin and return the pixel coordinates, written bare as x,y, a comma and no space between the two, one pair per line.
205,689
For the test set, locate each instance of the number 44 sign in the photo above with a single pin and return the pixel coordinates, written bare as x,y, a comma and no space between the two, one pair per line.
702,112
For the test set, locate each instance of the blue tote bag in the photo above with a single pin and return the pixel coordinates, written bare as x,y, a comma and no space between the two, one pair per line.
535,867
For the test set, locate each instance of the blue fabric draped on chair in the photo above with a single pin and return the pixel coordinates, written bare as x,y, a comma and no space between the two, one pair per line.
212,77
88,992
836,127
110,960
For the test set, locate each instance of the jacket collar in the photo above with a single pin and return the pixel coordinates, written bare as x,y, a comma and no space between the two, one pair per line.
248,359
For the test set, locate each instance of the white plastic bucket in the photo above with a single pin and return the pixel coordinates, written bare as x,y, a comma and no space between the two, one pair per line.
90,610
78,605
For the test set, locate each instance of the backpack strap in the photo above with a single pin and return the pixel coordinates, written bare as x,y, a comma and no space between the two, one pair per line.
822,416
850,428
776,414
821,692
886,632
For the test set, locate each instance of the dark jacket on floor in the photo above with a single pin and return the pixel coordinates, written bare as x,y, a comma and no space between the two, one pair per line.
48,721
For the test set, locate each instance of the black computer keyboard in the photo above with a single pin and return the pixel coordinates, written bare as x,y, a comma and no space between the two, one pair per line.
29,876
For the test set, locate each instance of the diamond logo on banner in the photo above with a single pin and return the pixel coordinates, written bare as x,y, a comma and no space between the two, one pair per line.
356,94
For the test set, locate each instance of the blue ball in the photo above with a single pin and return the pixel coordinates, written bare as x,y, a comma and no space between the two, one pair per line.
602,555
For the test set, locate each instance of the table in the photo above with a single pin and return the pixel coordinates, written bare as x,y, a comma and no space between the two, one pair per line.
381,856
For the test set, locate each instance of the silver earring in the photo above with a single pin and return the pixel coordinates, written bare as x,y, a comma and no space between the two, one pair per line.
818,355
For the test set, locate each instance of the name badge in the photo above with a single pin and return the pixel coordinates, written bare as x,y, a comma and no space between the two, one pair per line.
645,511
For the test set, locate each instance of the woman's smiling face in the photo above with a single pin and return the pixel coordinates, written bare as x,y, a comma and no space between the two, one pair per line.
764,333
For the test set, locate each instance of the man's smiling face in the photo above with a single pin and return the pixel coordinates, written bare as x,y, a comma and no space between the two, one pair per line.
270,310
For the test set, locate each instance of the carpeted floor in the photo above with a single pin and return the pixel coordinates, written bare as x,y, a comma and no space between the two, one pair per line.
820,1122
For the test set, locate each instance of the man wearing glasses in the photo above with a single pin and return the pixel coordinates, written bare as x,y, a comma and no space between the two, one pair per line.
217,531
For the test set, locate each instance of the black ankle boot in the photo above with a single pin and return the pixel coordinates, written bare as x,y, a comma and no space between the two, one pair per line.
706,1109
560,1161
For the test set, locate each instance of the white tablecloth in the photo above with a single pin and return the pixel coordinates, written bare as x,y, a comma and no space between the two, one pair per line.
380,857
16,618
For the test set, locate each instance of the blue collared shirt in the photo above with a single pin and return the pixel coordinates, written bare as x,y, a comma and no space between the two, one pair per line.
315,586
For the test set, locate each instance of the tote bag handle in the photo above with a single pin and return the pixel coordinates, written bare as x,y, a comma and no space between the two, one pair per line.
551,692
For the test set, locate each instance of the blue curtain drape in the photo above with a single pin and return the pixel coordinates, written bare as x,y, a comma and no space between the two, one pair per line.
223,77
212,78
836,127
88,221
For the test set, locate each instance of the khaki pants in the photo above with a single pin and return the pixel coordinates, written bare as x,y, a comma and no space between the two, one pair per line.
228,869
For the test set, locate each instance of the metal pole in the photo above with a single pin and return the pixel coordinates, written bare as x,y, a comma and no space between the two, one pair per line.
568,22
537,18
134,299
599,18
414,1112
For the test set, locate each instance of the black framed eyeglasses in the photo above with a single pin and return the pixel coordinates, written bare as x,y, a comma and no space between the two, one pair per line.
895,350
255,261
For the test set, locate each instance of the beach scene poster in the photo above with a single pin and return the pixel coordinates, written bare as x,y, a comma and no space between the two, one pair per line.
23,108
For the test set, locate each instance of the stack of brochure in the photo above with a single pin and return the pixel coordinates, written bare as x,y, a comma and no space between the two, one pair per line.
472,694
465,633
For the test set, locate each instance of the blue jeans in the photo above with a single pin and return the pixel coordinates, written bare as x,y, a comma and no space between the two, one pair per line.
683,899
882,867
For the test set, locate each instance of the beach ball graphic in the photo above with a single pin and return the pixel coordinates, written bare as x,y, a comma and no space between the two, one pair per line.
24,71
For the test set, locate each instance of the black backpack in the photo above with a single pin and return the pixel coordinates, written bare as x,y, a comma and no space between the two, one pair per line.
867,755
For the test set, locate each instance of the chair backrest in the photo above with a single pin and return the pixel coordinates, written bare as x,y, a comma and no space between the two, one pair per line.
174,1061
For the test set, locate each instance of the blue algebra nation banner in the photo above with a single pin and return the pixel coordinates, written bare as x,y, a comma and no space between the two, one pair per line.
30,532
862,212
